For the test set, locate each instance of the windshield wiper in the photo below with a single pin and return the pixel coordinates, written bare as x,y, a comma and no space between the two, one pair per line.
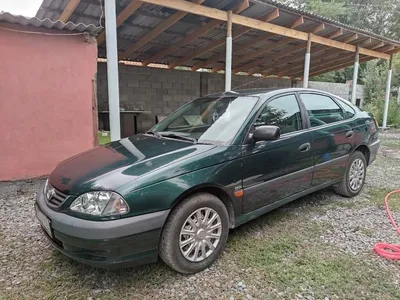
154,133
177,136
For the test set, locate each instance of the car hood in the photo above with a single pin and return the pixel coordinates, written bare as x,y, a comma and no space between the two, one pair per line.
118,163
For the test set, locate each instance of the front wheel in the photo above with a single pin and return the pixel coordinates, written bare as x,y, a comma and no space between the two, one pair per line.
354,177
195,233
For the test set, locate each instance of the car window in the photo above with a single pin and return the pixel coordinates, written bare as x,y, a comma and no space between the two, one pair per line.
283,112
348,110
321,109
208,120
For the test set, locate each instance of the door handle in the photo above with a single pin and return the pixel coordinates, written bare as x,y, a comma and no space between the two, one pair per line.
350,134
305,147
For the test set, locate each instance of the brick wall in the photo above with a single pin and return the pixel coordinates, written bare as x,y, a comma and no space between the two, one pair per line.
162,91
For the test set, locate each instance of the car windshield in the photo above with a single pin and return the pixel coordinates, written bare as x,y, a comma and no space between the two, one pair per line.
207,120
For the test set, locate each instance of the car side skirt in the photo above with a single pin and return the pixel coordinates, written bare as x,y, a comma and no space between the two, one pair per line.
258,212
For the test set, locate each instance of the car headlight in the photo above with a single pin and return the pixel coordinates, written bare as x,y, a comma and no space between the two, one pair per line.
101,203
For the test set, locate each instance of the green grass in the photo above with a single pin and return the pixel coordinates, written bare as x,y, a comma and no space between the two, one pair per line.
104,139
377,197
292,258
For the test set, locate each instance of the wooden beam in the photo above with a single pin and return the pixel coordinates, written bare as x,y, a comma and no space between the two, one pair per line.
160,28
316,29
320,61
122,17
68,10
331,65
260,25
319,28
335,34
386,48
194,35
316,52
350,38
281,43
339,67
217,43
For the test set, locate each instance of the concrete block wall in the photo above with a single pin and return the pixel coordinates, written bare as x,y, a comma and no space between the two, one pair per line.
339,89
162,91
157,90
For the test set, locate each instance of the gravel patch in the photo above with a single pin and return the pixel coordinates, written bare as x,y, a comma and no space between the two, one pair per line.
30,268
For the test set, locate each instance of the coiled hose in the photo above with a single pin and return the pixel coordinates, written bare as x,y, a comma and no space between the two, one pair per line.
389,251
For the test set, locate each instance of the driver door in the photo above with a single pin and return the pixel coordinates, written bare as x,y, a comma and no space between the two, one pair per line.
275,170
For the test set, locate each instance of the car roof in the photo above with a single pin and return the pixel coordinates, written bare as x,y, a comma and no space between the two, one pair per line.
263,92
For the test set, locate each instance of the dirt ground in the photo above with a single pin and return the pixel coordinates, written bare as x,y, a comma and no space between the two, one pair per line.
318,247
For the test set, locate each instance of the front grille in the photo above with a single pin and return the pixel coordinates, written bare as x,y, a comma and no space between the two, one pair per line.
57,198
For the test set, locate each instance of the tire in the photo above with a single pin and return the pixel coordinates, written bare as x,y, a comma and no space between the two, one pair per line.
344,188
172,241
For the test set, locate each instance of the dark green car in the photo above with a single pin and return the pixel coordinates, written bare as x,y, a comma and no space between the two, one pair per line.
214,164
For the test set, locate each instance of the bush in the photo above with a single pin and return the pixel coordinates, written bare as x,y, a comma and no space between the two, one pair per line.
376,108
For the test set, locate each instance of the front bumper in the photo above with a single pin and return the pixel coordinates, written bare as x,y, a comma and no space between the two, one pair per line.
106,244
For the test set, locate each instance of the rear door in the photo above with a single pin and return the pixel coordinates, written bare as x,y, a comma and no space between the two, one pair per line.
332,136
274,170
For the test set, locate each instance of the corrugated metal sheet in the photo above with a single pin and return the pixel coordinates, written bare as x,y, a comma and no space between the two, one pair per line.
148,16
324,19
49,24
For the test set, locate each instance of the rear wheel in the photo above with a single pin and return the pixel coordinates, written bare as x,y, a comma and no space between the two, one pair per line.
195,233
354,177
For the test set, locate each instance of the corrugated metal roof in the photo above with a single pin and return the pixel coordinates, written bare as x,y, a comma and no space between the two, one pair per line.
49,24
312,15
149,16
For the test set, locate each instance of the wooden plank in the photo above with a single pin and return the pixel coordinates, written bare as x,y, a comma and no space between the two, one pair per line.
281,43
335,34
122,17
316,29
339,67
260,25
337,64
194,35
350,38
238,48
160,28
319,62
68,10
215,44
315,53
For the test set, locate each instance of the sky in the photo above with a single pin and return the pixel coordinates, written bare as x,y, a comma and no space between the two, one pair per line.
27,8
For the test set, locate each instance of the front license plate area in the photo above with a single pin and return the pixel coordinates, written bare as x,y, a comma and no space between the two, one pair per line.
44,222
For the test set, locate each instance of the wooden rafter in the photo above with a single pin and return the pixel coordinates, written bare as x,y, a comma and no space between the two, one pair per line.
340,60
283,42
122,17
314,30
260,25
335,67
350,38
316,52
336,33
68,10
215,44
255,64
160,28
195,34
319,61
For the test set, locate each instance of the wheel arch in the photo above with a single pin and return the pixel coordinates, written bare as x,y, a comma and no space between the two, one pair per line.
364,149
217,191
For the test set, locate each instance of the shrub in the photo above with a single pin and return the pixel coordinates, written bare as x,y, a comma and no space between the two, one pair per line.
376,107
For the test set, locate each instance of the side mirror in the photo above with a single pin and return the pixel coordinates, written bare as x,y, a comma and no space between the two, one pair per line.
266,133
